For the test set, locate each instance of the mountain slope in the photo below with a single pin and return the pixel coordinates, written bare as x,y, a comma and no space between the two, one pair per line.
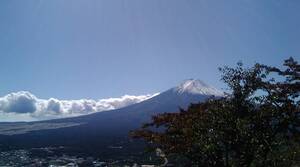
97,131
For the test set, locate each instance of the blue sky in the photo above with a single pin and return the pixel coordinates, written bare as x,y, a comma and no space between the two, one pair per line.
107,48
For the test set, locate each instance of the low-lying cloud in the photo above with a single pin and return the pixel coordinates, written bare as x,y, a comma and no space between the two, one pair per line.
24,106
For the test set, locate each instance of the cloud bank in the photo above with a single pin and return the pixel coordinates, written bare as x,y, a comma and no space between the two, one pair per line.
24,106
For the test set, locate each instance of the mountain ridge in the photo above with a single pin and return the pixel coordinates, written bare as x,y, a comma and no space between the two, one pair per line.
99,130
196,86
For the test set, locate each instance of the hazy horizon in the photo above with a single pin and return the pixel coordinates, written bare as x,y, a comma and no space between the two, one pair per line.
140,83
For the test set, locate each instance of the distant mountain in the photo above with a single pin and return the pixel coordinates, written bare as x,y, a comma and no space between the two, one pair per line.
193,86
97,132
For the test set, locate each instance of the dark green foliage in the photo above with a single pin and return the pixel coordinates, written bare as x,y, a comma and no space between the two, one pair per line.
256,124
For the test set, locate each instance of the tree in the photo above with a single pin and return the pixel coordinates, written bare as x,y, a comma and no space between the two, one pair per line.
256,124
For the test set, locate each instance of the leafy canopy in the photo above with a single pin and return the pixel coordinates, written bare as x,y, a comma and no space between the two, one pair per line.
256,124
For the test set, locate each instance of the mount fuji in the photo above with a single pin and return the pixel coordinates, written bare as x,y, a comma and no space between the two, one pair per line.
100,130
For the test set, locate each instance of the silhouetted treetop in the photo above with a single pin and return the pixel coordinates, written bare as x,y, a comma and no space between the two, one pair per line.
256,124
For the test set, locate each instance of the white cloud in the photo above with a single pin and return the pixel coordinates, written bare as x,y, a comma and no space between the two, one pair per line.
20,102
24,106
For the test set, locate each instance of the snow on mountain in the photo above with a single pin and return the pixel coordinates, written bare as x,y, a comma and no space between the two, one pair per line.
24,106
194,86
100,128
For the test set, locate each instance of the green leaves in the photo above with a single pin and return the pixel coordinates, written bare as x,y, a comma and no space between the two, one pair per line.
244,129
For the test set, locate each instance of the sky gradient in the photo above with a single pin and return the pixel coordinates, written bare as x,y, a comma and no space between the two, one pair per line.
107,48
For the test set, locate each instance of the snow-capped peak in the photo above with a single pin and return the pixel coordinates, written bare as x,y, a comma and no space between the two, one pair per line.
194,86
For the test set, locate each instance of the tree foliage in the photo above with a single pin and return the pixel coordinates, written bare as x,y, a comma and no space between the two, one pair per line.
256,124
